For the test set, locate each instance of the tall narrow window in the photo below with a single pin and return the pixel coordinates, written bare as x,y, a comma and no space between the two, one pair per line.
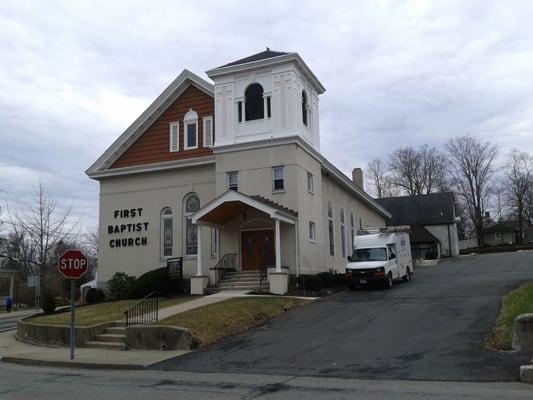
239,111
209,137
278,179
166,233
214,243
343,233
190,123
269,107
254,107
352,230
174,136
331,230
310,184
312,231
233,180
304,107
191,205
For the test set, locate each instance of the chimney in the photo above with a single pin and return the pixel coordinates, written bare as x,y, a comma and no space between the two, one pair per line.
357,177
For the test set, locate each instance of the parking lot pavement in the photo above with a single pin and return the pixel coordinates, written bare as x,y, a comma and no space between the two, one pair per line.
431,328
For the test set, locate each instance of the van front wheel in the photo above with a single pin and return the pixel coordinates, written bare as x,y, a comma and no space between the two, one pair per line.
388,284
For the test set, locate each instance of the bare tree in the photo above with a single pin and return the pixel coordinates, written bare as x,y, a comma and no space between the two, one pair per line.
472,175
418,171
377,178
41,227
519,174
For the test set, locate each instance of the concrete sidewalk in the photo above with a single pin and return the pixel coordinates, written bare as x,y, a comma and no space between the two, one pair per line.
12,350
20,313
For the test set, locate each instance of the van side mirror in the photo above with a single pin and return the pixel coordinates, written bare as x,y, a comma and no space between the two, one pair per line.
392,255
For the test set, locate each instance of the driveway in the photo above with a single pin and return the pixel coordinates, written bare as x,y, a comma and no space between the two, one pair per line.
430,328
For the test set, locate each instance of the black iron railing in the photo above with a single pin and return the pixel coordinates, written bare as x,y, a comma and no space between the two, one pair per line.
263,273
228,263
144,312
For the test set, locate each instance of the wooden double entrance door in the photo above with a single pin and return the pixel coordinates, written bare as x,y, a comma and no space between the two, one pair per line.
257,249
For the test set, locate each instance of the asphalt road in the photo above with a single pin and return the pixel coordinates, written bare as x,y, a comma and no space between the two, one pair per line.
29,383
431,328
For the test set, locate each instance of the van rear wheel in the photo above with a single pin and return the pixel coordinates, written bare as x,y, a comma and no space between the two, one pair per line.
408,275
388,283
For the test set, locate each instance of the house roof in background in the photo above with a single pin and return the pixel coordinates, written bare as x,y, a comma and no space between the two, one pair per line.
428,209
419,234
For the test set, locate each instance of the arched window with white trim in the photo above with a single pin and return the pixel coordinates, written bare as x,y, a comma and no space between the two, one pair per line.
352,230
190,130
254,106
191,204
343,233
167,236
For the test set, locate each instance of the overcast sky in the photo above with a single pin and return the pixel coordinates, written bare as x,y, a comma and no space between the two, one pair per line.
74,75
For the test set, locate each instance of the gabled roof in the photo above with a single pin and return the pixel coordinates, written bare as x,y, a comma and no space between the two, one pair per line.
268,58
419,234
137,128
262,55
232,203
428,209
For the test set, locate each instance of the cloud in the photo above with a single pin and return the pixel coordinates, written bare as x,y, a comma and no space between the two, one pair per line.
74,75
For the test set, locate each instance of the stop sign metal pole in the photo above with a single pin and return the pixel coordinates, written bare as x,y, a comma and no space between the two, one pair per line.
72,265
72,331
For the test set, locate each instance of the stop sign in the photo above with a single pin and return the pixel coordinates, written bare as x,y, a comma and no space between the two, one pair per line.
73,264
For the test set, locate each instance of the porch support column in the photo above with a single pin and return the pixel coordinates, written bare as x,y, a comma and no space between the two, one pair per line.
199,282
277,242
199,253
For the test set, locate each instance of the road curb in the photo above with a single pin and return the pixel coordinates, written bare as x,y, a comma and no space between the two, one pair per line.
70,364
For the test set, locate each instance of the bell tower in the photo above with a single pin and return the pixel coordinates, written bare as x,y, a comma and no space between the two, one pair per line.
266,96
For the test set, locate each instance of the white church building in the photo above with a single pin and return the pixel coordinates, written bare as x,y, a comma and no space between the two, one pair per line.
228,174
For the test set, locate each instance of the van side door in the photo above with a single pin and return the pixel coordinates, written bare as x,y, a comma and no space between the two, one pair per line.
393,261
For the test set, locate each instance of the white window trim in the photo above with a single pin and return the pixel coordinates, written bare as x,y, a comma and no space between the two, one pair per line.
274,190
312,189
185,216
312,240
342,218
332,219
236,173
162,233
186,134
171,141
204,119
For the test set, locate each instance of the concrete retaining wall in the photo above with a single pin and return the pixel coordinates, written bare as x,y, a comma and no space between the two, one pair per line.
159,337
523,333
57,335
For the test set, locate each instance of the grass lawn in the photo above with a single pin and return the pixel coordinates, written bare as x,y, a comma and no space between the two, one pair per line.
519,301
216,321
103,312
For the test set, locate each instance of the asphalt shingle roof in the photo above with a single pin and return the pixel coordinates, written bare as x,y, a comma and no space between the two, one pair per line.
428,209
263,55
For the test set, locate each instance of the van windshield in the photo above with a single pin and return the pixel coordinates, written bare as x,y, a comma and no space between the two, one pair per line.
372,254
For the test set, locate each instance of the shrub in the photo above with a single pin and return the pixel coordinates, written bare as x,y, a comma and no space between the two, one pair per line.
327,278
49,303
156,280
121,286
310,282
94,296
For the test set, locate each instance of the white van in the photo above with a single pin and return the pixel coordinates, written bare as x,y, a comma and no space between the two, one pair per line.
381,255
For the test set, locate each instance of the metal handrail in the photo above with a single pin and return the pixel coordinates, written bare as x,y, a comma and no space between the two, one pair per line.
227,263
144,312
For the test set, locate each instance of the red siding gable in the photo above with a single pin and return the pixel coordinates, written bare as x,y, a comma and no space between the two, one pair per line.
154,144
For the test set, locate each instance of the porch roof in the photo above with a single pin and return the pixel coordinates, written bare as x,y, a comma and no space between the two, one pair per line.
232,203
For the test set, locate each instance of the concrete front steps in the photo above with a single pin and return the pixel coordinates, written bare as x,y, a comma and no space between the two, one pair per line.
245,280
113,338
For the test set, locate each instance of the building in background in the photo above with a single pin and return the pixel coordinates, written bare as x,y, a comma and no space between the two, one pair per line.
230,173
432,219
